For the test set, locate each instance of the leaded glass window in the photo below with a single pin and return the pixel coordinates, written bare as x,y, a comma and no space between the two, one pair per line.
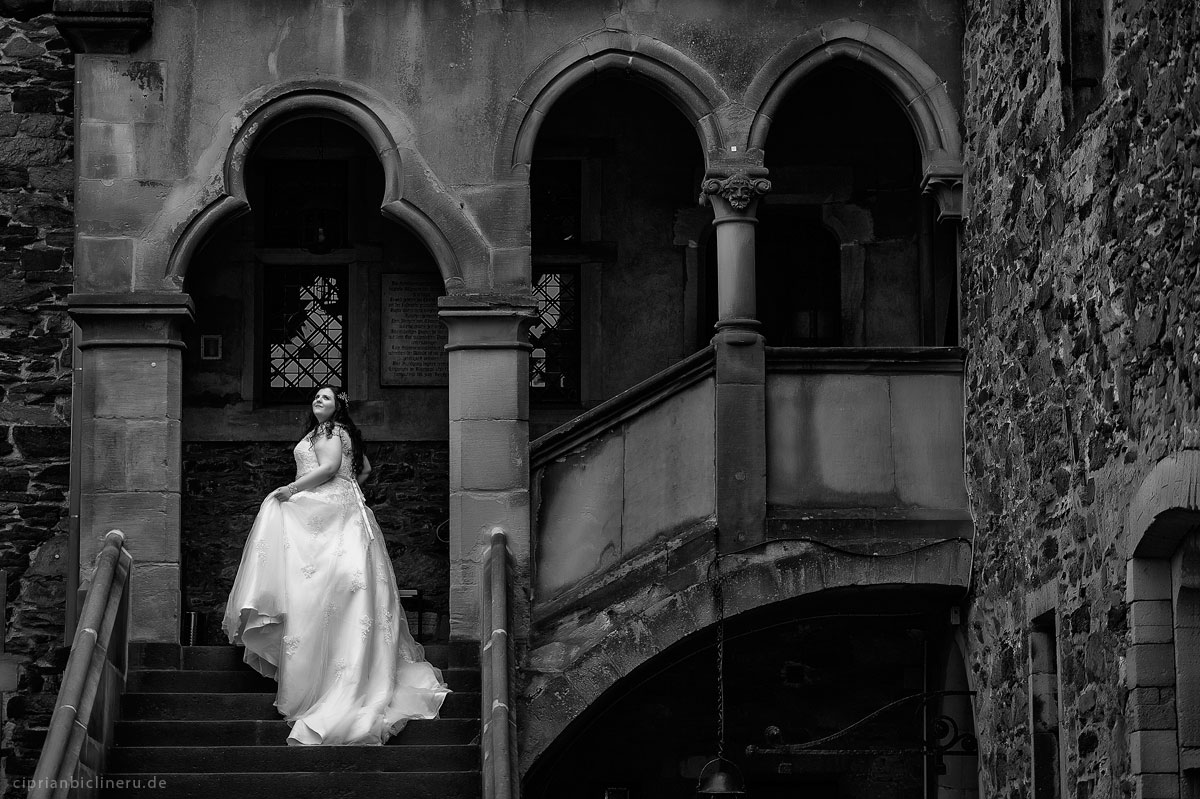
554,364
304,309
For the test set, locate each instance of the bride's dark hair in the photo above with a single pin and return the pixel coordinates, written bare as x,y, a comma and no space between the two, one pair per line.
341,415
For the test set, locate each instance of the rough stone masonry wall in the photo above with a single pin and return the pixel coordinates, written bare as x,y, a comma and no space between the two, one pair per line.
36,236
224,484
1080,279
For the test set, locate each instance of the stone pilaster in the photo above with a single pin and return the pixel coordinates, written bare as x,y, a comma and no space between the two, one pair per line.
489,449
740,361
129,375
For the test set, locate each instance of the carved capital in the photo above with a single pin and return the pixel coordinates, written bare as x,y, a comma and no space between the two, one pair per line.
738,189
104,26
947,190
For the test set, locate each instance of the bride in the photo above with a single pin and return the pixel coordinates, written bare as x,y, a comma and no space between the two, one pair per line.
315,602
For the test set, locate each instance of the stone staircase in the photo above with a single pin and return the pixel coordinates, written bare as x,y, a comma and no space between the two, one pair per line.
201,723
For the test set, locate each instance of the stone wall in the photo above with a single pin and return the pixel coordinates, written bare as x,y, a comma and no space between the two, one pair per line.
36,237
1080,299
224,484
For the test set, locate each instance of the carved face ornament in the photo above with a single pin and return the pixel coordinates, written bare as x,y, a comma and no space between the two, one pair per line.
738,189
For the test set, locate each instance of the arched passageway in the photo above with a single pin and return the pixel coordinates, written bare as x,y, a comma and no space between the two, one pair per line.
613,186
826,695
313,285
849,252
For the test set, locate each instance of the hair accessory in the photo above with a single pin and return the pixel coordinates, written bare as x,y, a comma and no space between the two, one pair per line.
345,398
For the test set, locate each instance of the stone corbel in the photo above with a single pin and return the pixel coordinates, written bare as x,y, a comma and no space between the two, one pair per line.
947,191
104,26
739,187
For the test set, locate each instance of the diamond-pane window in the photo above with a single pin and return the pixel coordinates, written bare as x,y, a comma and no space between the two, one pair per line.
304,309
554,364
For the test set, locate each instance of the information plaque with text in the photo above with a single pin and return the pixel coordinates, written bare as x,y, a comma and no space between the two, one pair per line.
412,350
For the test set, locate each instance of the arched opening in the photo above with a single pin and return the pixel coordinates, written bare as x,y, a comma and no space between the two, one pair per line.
846,170
1163,591
825,696
798,296
613,181
954,773
312,286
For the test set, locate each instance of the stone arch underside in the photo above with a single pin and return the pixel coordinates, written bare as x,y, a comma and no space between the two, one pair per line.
412,196
633,630
1162,593
680,80
1165,507
904,74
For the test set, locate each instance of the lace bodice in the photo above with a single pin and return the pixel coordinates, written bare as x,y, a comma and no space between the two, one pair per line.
306,455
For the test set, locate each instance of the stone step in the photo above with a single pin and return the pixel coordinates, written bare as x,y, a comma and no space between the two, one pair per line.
248,706
247,680
177,681
222,658
224,759
418,732
306,785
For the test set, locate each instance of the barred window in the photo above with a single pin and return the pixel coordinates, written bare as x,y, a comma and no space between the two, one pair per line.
554,365
304,313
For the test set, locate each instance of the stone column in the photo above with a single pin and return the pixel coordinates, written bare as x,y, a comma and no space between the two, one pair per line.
489,449
130,379
740,362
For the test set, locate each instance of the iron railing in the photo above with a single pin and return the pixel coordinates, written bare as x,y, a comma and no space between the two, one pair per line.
501,778
80,728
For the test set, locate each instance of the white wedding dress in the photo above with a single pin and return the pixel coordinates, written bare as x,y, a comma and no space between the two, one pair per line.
315,605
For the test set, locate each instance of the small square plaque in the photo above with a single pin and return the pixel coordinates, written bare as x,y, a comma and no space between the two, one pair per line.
210,348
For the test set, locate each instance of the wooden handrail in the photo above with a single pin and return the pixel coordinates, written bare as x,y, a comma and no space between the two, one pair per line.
105,612
498,742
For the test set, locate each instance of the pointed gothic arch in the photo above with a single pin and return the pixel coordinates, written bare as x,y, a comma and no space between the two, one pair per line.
683,82
918,90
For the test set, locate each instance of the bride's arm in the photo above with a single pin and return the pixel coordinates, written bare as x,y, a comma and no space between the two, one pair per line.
366,470
329,460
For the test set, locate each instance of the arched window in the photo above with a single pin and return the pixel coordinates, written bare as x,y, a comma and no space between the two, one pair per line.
314,285
309,184
1162,587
